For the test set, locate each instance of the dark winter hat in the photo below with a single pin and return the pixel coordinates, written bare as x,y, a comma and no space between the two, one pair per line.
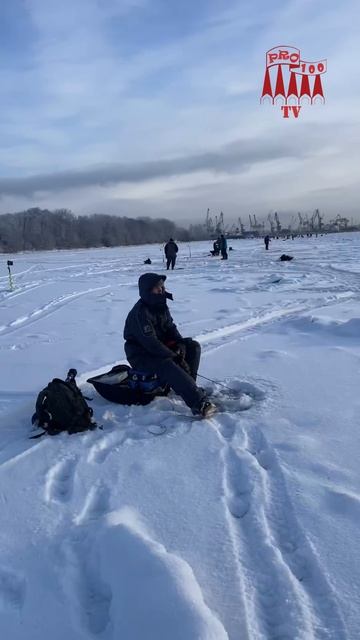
146,282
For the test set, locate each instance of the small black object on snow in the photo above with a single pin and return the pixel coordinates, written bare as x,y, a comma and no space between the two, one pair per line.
148,261
285,258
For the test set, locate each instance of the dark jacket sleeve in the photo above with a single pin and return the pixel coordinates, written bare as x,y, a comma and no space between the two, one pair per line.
144,332
176,248
172,332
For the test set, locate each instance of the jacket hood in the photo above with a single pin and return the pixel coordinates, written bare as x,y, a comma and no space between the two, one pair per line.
146,282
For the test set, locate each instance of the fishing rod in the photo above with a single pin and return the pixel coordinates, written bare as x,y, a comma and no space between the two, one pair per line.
216,382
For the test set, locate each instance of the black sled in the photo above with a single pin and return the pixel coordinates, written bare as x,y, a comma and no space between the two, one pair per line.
124,385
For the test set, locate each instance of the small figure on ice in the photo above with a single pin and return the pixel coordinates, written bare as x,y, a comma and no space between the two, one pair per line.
171,250
267,242
223,247
153,344
216,248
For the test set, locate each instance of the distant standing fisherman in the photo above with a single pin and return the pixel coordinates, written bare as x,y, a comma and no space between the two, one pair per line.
267,241
223,247
171,250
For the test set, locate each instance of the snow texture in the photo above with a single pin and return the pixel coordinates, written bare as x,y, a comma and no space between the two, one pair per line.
240,527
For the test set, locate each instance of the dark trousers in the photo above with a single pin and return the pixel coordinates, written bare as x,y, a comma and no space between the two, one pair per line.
267,246
172,374
224,255
170,261
191,352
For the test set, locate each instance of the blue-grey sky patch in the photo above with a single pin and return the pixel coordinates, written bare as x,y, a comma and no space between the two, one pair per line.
155,105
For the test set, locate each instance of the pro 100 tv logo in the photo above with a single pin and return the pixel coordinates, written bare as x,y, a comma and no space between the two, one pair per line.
290,82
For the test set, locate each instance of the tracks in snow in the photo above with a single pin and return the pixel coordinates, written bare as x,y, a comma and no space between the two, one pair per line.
116,579
59,480
46,310
285,590
267,317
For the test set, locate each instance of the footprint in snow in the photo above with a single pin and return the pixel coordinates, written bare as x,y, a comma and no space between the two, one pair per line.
265,458
96,505
12,590
238,482
227,426
89,595
259,448
104,446
121,582
59,481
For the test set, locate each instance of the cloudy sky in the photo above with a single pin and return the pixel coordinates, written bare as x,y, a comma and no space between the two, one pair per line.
151,107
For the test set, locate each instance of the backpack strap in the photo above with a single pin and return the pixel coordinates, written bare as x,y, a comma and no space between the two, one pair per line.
38,435
41,412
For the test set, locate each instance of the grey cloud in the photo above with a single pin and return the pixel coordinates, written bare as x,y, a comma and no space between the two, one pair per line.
235,157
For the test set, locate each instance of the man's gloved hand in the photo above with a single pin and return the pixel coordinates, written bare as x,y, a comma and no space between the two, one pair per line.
182,363
181,349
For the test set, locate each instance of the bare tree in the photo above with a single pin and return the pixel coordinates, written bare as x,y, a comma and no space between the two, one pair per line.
39,229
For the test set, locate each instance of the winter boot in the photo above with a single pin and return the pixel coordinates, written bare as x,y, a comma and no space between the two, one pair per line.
207,409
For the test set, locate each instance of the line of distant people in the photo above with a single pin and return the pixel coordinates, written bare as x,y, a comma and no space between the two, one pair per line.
171,249
220,247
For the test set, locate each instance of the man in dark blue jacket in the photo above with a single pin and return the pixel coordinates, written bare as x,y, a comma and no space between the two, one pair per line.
223,247
171,250
153,344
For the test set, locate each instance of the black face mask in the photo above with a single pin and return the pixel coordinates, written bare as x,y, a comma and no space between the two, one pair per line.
157,299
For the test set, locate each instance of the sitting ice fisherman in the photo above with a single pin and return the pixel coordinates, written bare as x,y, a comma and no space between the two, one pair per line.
153,344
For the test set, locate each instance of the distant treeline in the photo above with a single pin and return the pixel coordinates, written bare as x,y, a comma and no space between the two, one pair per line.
41,229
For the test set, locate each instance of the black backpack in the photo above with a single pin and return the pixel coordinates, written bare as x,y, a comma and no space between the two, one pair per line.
62,407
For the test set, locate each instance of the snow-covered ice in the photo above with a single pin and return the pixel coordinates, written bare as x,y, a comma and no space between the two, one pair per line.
241,527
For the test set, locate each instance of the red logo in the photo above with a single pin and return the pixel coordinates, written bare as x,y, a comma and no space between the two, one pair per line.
291,82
